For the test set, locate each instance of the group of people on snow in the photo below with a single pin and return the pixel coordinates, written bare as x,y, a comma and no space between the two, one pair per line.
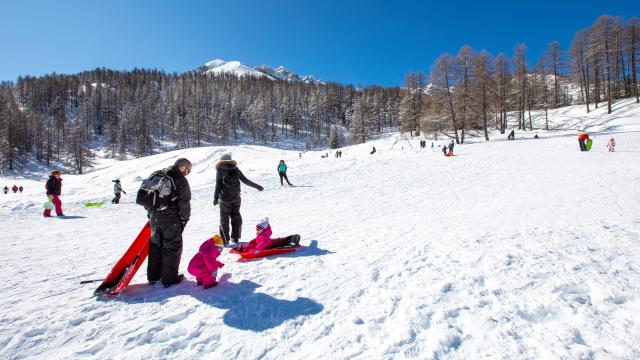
169,222
15,188
585,143
448,150
423,144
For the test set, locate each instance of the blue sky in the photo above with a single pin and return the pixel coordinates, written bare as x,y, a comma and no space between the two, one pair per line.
359,42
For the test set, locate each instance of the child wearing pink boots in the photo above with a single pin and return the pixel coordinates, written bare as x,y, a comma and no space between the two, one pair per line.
204,265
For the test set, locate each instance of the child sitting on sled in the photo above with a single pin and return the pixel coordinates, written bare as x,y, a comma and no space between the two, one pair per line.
204,265
264,241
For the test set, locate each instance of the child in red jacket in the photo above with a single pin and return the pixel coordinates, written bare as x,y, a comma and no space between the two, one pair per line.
204,265
264,241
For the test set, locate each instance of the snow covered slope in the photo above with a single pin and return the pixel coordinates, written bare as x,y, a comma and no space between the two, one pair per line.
510,249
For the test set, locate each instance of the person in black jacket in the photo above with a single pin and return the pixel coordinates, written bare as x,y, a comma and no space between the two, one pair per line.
227,193
54,190
167,225
117,189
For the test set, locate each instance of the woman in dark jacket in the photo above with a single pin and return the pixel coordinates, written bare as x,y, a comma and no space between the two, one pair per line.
54,190
227,193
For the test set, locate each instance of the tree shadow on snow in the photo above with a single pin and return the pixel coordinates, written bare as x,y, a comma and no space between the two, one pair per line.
247,309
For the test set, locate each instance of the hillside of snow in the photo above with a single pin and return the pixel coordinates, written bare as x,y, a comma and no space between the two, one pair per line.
510,249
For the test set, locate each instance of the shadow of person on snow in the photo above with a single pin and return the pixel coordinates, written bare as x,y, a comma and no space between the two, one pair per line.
247,309
71,217
311,250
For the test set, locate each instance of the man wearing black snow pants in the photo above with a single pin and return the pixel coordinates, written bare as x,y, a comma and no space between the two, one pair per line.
227,193
167,225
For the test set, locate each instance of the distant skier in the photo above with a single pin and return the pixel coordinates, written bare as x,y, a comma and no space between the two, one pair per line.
373,151
204,265
512,135
54,190
5,189
282,172
117,189
582,141
227,193
300,155
611,145
20,189
264,241
14,188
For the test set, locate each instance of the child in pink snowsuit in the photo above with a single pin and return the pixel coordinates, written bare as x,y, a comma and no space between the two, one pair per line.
204,265
611,145
263,239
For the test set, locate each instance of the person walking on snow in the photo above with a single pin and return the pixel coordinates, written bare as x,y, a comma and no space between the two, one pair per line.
264,241
117,189
282,172
450,148
582,141
611,145
5,189
54,190
167,224
227,193
204,265
20,189
15,188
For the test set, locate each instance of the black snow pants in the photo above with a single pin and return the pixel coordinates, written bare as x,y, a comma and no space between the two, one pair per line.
116,199
284,176
165,249
230,210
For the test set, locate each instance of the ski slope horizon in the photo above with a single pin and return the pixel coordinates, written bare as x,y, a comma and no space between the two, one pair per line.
511,249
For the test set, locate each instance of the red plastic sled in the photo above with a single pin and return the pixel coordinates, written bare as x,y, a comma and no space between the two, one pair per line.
267,252
126,267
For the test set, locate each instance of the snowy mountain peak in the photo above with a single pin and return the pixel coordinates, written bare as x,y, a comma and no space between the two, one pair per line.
218,66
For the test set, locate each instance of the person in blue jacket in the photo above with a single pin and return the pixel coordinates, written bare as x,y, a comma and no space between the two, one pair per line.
282,171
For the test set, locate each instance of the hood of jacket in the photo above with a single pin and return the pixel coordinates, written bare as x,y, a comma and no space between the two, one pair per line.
226,164
209,247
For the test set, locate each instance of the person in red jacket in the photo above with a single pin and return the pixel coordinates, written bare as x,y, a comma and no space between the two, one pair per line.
582,140
264,241
54,189
15,188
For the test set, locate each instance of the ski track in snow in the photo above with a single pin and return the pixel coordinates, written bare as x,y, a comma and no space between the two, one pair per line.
521,249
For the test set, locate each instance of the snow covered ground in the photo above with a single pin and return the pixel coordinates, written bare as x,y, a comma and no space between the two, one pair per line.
511,249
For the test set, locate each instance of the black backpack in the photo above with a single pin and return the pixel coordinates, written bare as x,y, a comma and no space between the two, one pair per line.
156,191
